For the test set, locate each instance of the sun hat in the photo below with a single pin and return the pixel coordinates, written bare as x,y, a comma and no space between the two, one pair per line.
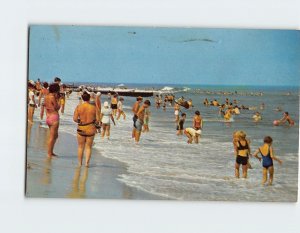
105,104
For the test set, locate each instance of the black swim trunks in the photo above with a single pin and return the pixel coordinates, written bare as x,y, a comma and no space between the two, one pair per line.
180,125
114,106
241,160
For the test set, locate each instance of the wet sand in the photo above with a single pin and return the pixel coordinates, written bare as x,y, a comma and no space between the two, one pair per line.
61,178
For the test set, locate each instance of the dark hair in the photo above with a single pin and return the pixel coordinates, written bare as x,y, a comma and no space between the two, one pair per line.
268,140
54,88
139,98
147,102
86,96
30,85
64,85
183,114
45,84
57,79
121,98
197,113
287,113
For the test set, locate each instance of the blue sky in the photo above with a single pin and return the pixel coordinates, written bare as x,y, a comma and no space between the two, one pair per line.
164,55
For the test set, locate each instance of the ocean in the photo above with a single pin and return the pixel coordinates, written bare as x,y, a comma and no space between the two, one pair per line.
163,164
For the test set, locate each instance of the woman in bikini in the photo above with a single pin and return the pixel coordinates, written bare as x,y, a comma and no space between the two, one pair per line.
52,107
242,151
267,156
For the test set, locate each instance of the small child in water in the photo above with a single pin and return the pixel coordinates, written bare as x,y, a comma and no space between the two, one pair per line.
180,124
267,156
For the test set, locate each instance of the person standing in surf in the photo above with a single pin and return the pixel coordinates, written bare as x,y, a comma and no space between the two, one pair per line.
120,109
140,120
31,102
105,117
197,124
176,113
180,124
135,109
267,157
86,117
242,152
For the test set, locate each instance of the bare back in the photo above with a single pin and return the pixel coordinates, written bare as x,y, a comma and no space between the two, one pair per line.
85,112
51,104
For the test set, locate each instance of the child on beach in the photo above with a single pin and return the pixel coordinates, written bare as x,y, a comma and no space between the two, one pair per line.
105,116
146,120
180,124
120,109
256,117
192,134
267,156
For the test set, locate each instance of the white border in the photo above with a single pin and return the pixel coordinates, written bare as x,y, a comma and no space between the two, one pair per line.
18,214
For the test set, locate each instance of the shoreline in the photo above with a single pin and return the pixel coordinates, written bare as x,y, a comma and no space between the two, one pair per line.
62,178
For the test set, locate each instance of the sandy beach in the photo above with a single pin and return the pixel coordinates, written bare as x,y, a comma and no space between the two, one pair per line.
60,177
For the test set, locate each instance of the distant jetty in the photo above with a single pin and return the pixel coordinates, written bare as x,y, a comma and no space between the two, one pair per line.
121,91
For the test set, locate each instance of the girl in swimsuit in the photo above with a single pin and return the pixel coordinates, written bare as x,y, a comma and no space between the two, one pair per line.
197,124
52,107
267,156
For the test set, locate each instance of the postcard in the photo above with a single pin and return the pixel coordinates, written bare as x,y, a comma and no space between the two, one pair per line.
154,113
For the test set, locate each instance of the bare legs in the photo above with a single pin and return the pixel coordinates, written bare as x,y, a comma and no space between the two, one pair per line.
137,136
42,112
237,170
52,138
30,114
84,144
265,175
105,130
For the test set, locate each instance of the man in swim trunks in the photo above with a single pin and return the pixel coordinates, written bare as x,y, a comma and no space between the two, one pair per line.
114,104
192,133
86,117
140,120
52,107
135,109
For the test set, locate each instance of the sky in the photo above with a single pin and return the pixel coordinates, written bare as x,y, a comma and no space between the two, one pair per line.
164,55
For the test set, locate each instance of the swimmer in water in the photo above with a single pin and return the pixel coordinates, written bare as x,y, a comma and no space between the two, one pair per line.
267,157
286,118
192,134
180,124
257,117
86,117
242,152
206,102
228,114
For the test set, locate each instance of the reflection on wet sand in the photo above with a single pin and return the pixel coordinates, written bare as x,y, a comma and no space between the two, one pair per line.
46,175
79,183
29,127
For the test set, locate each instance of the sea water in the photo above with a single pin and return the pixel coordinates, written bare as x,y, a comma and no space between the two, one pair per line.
165,165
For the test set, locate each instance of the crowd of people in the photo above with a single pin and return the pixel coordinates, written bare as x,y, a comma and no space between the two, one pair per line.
91,117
